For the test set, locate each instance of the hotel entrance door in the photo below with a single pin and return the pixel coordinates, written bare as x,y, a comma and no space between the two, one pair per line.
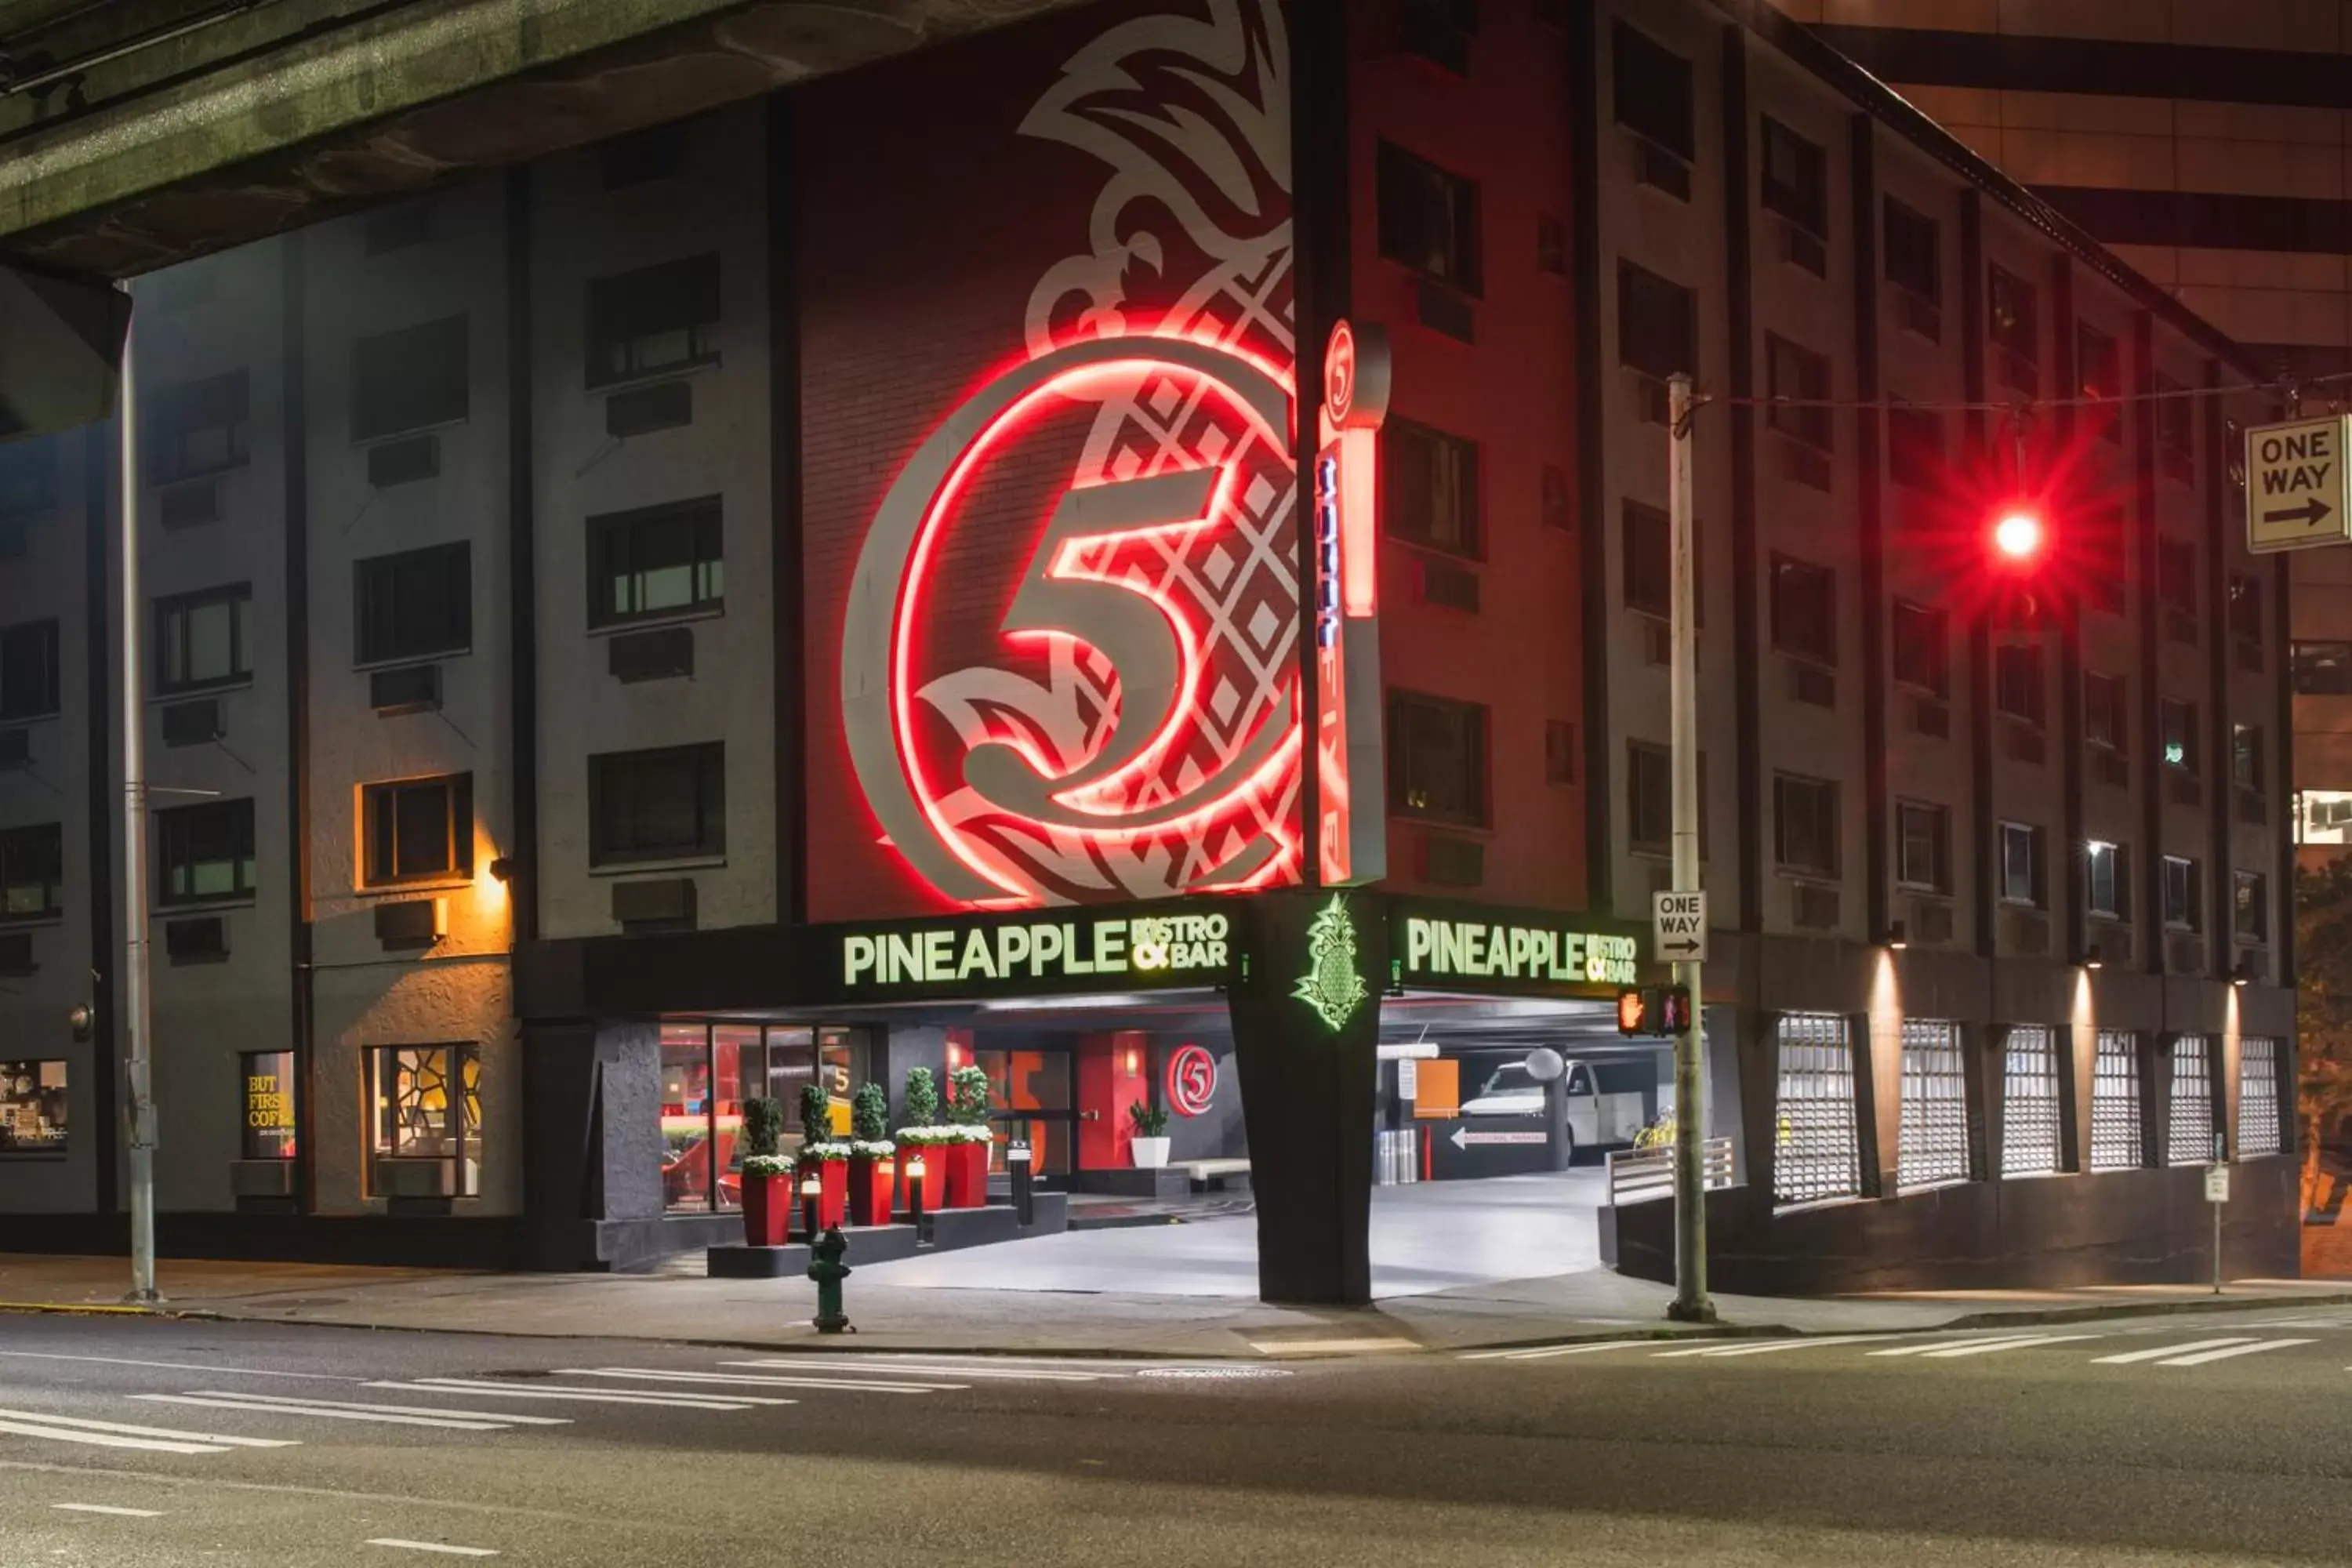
1029,1090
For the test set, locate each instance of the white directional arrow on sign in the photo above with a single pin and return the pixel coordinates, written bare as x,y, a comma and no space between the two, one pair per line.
1678,926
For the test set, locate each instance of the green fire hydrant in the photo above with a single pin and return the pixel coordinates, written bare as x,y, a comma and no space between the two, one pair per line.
828,1270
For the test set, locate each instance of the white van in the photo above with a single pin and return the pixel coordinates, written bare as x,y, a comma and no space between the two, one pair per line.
1594,1118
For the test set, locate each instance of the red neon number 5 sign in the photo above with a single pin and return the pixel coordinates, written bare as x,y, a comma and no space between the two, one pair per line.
1071,591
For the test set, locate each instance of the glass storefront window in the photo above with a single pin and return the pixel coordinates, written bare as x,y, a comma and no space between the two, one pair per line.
32,1108
708,1070
737,1074
686,1169
269,1091
411,1088
1029,1092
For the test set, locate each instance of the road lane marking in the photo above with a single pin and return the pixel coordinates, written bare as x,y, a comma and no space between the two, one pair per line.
2129,1357
280,1401
682,1400
117,1428
480,1422
710,1377
874,1367
2001,1340
182,1366
2202,1359
1771,1347
394,1542
109,1510
1331,1347
1546,1352
1948,1351
108,1439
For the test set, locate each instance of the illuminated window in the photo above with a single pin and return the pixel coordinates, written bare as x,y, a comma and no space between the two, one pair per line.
1817,1153
2322,668
2188,1138
1428,218
2184,894
2011,323
1651,90
657,561
2030,1114
2115,1103
32,1108
1923,846
202,639
2105,718
2098,365
668,803
1796,182
205,852
1805,824
1923,648
198,428
416,604
29,686
413,1092
2177,722
653,320
2021,866
1914,253
31,872
2323,816
2258,1097
409,380
1431,487
1933,1149
2251,906
2106,880
1437,759
418,830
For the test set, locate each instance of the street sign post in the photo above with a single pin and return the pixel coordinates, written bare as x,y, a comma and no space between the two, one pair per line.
2297,493
2216,1192
1678,926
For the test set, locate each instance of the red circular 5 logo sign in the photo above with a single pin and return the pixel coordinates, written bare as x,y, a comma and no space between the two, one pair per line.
1191,1080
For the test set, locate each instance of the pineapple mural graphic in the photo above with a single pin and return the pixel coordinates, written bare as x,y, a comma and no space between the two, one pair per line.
1331,985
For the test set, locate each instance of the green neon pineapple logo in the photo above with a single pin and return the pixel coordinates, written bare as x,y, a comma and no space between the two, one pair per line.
1331,984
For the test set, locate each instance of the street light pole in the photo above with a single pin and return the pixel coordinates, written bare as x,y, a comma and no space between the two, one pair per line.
137,1000
1691,1303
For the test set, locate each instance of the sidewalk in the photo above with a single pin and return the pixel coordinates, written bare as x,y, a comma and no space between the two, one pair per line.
774,1314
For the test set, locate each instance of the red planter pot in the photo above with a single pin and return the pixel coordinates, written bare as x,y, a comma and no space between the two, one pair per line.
833,1208
967,1175
870,1191
767,1210
934,1185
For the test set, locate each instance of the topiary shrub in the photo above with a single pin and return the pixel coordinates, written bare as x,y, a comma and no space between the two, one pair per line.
816,1112
869,1113
763,1127
922,1097
968,1095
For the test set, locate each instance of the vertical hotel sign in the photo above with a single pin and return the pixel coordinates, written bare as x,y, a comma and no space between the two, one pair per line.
1352,844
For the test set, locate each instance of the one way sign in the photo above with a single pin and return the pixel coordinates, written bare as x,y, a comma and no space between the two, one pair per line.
1678,926
2297,494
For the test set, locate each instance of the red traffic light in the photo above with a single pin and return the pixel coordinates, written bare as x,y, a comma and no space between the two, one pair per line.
2019,535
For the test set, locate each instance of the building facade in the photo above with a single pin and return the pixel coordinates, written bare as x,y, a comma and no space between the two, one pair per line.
901,573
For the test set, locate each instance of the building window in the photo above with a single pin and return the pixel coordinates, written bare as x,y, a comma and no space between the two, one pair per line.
710,1071
2322,668
1914,447
416,604
2258,1097
32,1108
1657,323
1923,846
2105,719
2246,621
28,477
2029,1109
29,688
1805,824
2188,1140
2178,720
1651,90
1429,218
2018,684
2010,320
1437,759
1796,182
2021,873
31,872
2104,558
1804,609
2098,364
2176,587
413,1090
1649,560
418,830
2115,1103
2106,880
2323,816
1915,261
653,320
205,852
2175,430
1801,377
410,379
199,428
1923,648
1432,482
2246,757
271,1098
2251,911
1933,1149
201,639
661,561
1818,1152
668,803
1650,799
2183,894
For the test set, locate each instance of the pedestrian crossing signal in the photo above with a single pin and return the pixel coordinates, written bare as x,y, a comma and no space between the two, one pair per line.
1654,1010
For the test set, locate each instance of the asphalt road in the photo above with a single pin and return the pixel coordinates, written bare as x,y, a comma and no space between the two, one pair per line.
2190,1439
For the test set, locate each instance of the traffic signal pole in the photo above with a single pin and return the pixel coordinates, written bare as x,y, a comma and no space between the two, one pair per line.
137,1004
1691,1303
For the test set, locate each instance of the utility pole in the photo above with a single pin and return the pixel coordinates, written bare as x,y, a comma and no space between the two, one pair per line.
1691,1303
137,976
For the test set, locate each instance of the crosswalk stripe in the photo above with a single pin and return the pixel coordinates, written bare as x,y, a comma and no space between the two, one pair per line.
869,1366
682,1400
2129,1357
510,1417
118,1428
1923,1347
479,1423
1770,1347
1546,1353
2200,1360
442,1547
109,1510
109,1439
1944,1352
652,1374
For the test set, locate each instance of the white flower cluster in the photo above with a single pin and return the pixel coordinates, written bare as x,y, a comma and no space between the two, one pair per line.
767,1164
951,1133
871,1148
827,1150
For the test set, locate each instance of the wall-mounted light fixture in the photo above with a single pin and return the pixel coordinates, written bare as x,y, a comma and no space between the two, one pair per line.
2093,958
503,868
1899,935
2244,974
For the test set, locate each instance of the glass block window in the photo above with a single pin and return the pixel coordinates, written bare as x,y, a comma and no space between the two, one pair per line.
2030,1108
2188,1140
2258,1097
2115,1103
1934,1142
1818,1152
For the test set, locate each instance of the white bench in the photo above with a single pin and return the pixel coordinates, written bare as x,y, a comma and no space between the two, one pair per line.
1208,1173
